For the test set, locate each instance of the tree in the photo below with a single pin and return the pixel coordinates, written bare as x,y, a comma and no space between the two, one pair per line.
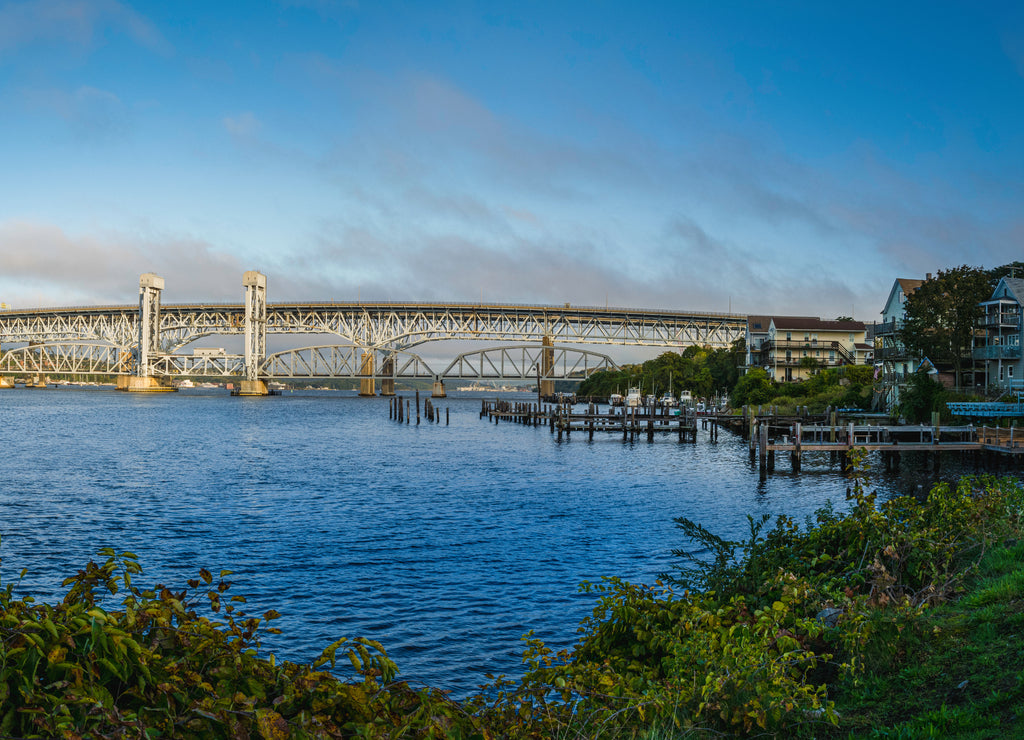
921,397
753,388
810,363
941,316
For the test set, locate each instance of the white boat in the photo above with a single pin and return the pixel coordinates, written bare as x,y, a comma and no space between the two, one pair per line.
616,399
633,398
685,398
668,400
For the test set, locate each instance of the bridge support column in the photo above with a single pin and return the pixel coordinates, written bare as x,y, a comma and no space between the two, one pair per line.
255,284
367,386
547,362
144,379
387,381
6,382
438,391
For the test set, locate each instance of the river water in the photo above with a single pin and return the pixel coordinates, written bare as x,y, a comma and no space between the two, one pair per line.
446,542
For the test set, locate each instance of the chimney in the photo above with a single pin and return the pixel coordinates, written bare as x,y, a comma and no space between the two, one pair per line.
927,276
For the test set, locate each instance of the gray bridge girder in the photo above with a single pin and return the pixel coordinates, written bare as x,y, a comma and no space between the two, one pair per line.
401,325
79,358
527,363
320,361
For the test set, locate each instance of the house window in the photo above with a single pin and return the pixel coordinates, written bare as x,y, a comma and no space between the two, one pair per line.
789,336
1009,372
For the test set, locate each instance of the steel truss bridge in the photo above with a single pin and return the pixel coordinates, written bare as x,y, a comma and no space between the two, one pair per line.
375,340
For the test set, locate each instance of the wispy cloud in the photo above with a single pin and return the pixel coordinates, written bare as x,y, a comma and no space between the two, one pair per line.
76,22
44,265
243,126
94,115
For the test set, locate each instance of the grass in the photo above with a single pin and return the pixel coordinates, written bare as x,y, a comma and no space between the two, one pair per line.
959,670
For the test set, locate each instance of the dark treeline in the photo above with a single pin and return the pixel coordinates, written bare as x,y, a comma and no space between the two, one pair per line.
706,373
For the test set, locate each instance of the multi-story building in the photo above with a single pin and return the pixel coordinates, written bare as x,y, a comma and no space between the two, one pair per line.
893,361
999,345
757,334
797,346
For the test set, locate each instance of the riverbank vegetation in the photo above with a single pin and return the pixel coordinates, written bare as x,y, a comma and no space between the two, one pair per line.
899,619
705,372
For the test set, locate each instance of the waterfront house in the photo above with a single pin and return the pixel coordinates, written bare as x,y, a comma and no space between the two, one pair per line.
757,334
893,362
798,346
998,347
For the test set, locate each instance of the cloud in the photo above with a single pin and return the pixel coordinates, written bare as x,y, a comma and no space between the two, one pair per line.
243,126
93,115
76,22
46,266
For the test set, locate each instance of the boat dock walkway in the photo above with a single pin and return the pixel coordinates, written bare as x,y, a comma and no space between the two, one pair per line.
891,440
630,422
770,434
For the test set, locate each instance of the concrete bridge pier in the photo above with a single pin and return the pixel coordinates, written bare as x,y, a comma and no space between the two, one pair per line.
547,363
387,381
144,380
367,385
438,391
6,381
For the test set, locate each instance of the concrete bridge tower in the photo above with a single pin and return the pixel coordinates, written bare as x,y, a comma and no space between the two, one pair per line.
255,284
144,378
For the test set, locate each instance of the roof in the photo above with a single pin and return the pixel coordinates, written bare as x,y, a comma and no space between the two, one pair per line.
803,323
761,323
1015,286
908,285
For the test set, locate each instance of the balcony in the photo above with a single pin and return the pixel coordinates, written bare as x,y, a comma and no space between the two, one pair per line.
770,350
893,354
1000,320
823,362
998,352
888,328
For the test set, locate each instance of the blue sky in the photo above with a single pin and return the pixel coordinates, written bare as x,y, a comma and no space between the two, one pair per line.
754,157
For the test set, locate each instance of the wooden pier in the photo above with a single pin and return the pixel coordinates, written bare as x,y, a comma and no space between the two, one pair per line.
631,423
770,434
892,441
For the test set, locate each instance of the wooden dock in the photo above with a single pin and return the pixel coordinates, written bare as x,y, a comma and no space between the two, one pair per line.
771,434
631,423
892,441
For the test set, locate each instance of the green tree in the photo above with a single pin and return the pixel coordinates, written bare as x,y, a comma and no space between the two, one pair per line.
921,397
941,316
753,388
810,363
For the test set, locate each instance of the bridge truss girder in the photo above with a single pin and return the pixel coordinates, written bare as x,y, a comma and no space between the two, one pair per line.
80,358
521,362
527,362
384,325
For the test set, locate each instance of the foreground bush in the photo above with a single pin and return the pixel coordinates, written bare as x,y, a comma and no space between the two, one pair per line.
154,667
765,637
